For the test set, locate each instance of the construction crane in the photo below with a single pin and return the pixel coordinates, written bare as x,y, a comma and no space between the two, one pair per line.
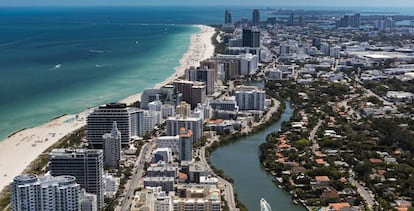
264,206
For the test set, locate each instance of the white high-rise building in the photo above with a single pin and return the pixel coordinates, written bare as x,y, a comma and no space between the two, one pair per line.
335,52
150,120
136,121
250,98
167,111
29,192
155,108
112,147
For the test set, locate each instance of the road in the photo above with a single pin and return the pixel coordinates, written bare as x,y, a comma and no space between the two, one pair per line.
144,155
369,199
315,145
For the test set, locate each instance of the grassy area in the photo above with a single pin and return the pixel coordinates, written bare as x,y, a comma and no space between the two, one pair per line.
219,47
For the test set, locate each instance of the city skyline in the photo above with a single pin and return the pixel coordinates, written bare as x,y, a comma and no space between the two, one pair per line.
323,3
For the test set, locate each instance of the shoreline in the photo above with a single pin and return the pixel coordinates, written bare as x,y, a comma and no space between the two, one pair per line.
23,146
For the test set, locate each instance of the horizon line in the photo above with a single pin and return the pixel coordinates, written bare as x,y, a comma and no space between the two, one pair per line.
207,5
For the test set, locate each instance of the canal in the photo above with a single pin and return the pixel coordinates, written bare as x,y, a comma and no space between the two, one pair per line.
240,161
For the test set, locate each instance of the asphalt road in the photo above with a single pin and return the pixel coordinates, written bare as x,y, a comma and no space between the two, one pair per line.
136,176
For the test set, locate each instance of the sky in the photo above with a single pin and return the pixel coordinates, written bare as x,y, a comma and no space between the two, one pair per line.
325,3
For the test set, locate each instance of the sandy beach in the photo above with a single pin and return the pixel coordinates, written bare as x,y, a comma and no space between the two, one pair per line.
20,149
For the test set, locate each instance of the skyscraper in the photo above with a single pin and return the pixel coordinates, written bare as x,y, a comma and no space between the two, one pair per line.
100,122
251,37
290,19
194,124
302,21
357,20
349,21
185,145
29,192
227,16
255,17
112,147
192,92
84,164
136,121
250,98
203,74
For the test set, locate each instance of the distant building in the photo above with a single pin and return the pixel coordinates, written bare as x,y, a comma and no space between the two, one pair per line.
112,147
302,21
84,164
185,145
255,17
271,20
194,124
284,50
100,122
227,16
29,192
290,20
335,52
353,21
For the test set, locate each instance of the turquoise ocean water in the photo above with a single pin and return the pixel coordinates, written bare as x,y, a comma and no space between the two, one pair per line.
56,61
66,60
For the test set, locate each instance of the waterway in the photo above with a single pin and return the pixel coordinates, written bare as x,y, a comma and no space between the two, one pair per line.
240,161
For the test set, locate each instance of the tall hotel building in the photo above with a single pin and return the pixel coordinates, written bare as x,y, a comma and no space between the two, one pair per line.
255,17
250,98
100,121
192,92
29,192
112,147
84,164
204,74
227,16
136,121
194,124
185,145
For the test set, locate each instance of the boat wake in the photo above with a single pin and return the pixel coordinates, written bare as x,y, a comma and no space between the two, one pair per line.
102,65
96,51
56,67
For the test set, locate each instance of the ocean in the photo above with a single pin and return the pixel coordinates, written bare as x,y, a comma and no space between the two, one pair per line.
56,61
